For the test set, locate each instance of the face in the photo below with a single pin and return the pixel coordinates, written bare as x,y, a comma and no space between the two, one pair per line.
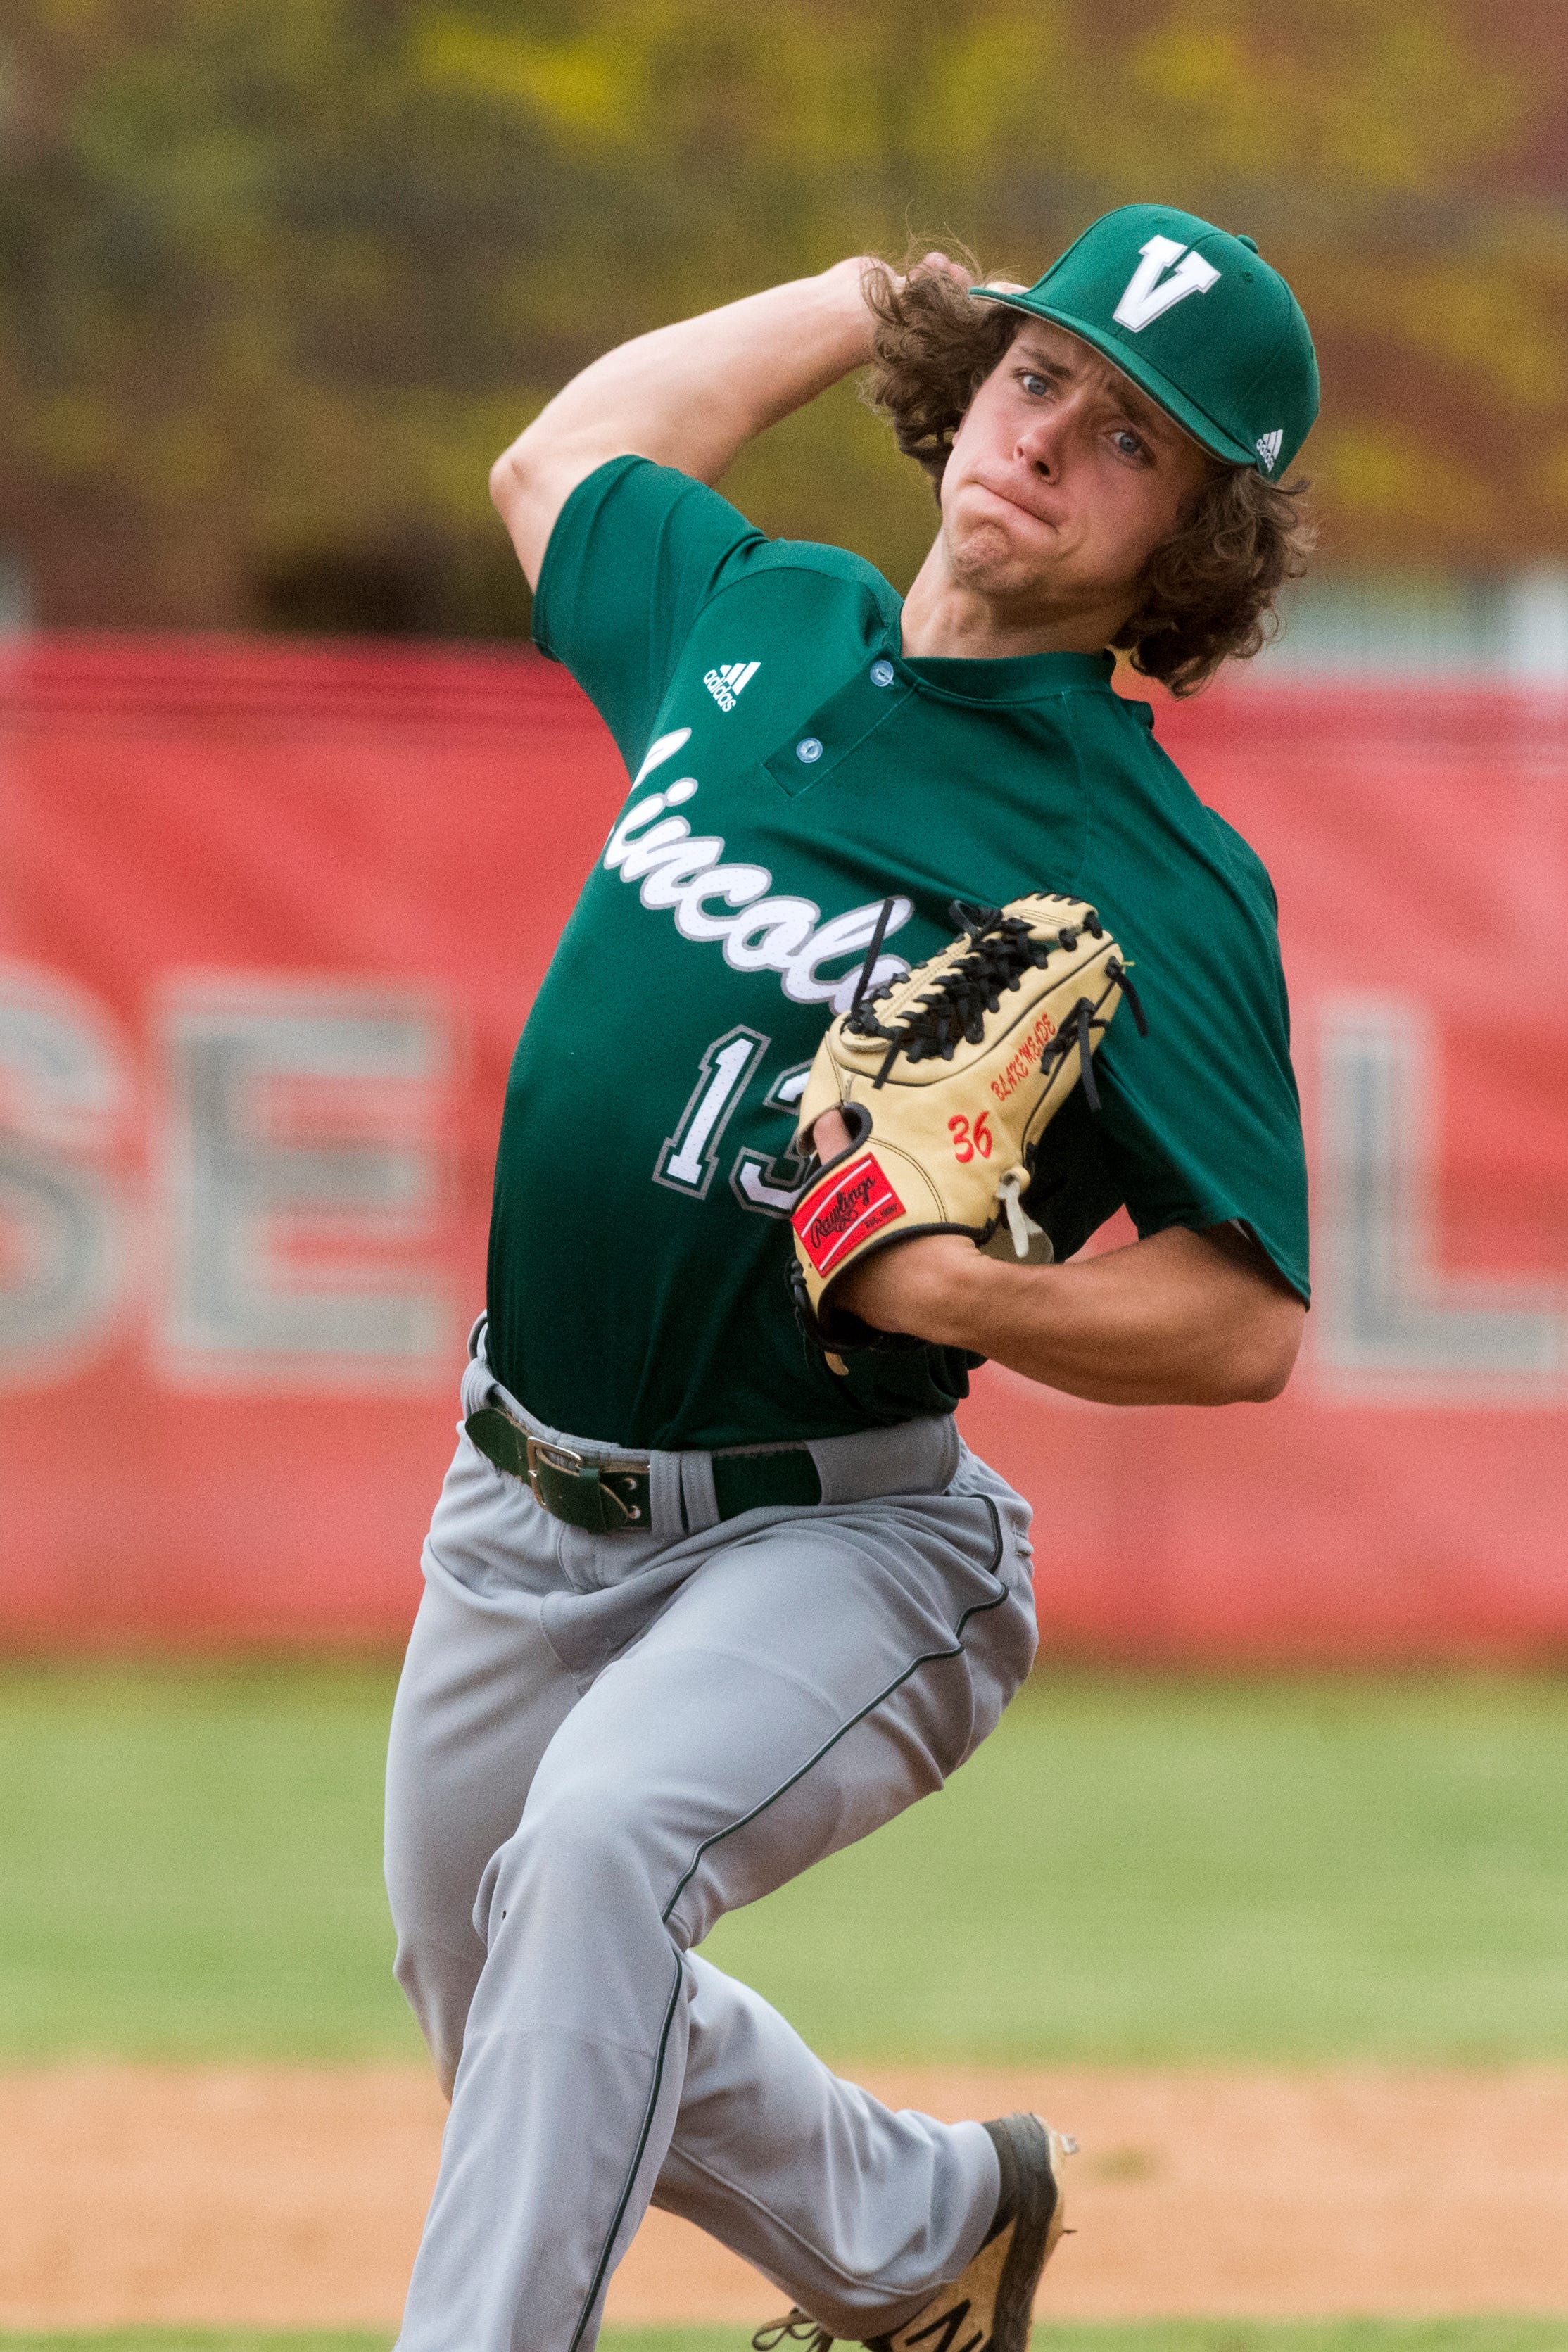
1062,481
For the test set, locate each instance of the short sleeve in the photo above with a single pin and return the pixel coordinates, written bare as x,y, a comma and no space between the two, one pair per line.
1201,1122
637,552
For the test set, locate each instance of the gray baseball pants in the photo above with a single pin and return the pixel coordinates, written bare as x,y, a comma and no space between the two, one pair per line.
600,1744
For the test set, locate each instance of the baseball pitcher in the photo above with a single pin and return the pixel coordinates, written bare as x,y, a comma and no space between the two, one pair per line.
910,958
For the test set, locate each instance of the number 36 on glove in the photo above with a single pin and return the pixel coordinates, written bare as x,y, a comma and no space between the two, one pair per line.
946,1080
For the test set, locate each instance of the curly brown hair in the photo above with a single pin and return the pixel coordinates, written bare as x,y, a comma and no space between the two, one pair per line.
1208,591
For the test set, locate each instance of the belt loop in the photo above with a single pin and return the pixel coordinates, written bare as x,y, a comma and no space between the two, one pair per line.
699,1499
663,1494
475,1386
950,1450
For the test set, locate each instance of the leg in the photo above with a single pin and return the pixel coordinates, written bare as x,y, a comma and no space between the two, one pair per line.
480,1695
853,2210
807,1681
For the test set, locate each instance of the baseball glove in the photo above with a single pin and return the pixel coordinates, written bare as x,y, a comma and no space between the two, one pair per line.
947,1080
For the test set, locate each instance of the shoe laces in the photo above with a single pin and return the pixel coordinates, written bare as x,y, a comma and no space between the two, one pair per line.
797,2326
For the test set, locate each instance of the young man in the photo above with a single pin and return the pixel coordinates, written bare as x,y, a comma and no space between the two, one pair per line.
700,1608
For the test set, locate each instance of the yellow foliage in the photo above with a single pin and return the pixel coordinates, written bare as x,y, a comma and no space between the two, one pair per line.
585,86
285,279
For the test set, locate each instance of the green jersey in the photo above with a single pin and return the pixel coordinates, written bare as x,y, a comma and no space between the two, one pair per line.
792,771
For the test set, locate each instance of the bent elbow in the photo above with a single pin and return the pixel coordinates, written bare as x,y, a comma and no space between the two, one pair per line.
1268,1358
508,479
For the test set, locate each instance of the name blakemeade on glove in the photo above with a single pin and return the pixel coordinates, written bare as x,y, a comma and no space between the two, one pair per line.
1011,1073
859,1201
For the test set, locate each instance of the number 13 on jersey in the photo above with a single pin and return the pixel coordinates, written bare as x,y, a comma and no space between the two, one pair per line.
769,1187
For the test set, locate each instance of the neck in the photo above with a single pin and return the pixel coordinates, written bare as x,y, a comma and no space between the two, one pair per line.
942,616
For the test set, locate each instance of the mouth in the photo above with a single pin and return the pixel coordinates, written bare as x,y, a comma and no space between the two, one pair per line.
1017,505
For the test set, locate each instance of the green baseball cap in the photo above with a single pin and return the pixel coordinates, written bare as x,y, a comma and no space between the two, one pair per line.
1199,321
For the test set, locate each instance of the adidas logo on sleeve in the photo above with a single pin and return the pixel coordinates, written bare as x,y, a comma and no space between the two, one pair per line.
725,683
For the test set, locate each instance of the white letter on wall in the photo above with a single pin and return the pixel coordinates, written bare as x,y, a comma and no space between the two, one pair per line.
302,1150
1385,1311
63,1228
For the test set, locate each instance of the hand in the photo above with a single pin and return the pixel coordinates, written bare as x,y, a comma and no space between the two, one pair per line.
872,268
943,265
907,1287
938,265
830,1136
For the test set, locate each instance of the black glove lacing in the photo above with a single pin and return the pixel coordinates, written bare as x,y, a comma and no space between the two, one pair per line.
1001,949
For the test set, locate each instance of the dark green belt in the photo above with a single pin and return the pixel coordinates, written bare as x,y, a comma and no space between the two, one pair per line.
611,1497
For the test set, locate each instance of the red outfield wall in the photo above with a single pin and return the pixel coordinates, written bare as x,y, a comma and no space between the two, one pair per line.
269,922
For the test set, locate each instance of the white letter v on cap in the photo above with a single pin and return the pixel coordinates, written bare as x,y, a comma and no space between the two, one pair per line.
1148,295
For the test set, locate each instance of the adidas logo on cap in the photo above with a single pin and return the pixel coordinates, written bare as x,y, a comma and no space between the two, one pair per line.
725,683
1269,449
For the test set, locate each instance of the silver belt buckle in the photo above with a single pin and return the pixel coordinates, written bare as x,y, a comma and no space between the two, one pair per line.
567,1459
559,1457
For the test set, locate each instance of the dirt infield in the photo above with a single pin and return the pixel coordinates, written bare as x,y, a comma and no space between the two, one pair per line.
280,2197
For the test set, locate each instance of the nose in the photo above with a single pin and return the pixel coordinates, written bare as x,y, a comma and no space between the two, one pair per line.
1043,443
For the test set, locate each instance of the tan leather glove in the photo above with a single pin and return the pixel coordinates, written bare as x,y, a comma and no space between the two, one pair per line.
946,1080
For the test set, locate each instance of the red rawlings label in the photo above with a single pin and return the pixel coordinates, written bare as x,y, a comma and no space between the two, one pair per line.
845,1209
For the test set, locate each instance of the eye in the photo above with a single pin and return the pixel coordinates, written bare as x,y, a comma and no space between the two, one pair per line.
1034,383
1128,444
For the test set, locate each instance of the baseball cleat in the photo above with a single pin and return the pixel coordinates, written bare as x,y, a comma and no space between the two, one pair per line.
989,2306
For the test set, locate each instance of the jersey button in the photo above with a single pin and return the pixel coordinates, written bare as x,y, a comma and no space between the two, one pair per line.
883,673
808,749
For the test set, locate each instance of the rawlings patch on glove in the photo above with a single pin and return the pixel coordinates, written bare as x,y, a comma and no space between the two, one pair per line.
947,1080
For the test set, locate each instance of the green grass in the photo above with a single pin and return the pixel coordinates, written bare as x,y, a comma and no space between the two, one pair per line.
1130,1870
190,1863
1142,1871
1484,2335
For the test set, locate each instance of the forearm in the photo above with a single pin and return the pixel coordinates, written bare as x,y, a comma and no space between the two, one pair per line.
691,395
1180,1318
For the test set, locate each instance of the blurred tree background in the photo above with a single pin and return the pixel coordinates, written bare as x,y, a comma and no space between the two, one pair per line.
276,283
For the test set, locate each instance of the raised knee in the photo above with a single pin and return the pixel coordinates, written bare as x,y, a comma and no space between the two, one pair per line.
584,1847
580,1816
